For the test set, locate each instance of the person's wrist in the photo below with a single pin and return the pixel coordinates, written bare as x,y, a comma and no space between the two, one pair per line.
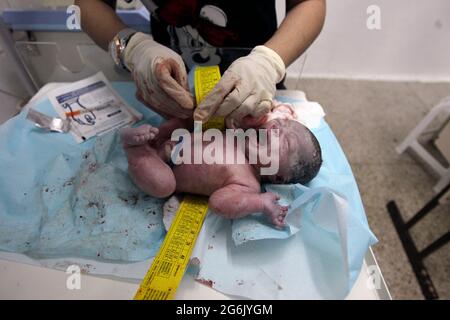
135,48
118,45
273,60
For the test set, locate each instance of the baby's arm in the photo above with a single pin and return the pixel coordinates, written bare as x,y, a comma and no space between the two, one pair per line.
235,201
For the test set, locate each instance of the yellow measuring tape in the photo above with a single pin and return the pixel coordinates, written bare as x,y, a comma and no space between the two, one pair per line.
167,270
205,79
168,267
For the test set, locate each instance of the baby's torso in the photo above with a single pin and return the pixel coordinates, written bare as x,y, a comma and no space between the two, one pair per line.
208,170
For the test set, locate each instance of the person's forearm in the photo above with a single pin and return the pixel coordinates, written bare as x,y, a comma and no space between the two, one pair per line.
299,29
99,21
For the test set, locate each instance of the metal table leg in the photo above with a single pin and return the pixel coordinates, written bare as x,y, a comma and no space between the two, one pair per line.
415,256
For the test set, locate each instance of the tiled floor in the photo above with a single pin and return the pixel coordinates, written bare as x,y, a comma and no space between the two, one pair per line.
369,119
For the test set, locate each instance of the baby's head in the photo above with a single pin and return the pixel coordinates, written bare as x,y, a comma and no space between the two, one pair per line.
300,155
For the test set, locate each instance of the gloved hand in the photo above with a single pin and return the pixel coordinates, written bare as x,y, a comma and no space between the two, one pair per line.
160,76
246,88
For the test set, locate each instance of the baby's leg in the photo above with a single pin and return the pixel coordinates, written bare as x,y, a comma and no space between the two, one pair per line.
235,201
145,167
138,136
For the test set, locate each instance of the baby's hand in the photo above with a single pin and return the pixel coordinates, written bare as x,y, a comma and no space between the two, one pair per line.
275,212
138,136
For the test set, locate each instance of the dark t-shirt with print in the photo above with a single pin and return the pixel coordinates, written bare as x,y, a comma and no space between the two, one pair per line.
207,32
213,32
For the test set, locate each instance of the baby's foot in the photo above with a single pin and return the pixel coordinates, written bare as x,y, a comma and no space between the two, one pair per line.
275,212
138,136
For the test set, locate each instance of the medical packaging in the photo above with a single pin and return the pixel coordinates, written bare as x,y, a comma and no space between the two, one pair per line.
93,107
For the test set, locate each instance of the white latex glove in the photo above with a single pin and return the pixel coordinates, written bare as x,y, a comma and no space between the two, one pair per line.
160,76
246,88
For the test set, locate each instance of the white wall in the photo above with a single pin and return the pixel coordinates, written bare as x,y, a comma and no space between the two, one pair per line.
413,43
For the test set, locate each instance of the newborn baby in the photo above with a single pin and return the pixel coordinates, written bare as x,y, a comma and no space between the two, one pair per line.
234,190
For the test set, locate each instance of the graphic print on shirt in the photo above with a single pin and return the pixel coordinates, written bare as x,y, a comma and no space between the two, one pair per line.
194,49
211,32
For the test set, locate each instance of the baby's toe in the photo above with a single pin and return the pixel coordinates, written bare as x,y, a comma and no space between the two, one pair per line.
282,217
279,222
147,136
145,128
141,138
279,225
282,224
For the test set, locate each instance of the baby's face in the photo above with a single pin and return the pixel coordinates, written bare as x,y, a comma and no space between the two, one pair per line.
291,141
